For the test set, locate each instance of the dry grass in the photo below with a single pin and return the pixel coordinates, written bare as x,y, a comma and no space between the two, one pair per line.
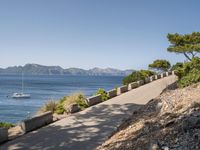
48,106
76,98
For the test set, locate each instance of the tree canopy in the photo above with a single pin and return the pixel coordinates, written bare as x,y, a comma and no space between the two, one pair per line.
160,65
187,44
137,75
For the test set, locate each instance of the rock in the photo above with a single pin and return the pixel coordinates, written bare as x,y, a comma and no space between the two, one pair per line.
159,106
165,148
72,108
154,146
191,123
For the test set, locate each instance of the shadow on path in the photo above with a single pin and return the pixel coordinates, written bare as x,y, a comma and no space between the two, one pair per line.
84,130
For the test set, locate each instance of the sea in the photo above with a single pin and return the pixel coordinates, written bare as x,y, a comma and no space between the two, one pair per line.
44,88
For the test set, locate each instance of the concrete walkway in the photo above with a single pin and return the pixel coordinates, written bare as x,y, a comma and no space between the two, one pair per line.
88,129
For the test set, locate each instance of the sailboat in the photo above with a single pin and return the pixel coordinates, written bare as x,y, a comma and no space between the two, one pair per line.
22,94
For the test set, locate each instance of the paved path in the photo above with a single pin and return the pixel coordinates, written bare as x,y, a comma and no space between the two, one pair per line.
88,129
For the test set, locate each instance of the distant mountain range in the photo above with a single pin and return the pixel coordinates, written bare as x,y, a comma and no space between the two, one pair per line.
35,69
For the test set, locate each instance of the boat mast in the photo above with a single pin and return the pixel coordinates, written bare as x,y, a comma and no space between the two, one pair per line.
22,82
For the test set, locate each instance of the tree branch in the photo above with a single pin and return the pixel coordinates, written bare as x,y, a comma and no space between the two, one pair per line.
187,56
193,55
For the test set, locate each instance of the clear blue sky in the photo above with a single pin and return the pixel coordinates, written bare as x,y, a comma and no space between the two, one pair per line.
124,34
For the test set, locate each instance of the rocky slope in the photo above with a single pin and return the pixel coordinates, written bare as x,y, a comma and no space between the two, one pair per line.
169,122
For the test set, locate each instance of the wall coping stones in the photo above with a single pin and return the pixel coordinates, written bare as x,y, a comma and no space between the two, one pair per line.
168,73
93,100
152,78
157,76
147,79
112,93
140,82
37,122
122,89
163,74
132,85
3,135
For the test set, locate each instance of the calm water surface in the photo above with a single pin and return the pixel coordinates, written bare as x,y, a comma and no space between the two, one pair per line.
43,88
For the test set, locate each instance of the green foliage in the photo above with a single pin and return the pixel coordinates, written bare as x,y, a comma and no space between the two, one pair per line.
188,44
137,75
160,65
189,73
59,108
103,94
81,102
177,66
77,98
190,78
6,125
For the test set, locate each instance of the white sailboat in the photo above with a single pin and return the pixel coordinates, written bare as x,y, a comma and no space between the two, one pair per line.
22,94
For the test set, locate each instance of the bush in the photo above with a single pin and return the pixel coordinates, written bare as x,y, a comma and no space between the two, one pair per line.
137,75
48,106
177,66
59,108
6,125
192,77
77,98
103,94
189,73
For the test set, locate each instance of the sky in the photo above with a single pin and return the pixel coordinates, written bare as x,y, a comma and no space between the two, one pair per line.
123,34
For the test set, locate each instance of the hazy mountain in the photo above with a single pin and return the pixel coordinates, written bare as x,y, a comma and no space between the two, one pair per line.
35,69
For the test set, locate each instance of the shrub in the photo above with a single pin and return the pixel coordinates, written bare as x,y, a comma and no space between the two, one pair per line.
189,73
103,94
137,75
6,125
59,108
192,77
177,66
77,98
48,106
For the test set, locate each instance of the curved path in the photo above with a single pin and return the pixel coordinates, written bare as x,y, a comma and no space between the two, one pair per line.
88,129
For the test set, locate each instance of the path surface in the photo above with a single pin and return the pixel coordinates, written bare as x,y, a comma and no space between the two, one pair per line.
88,129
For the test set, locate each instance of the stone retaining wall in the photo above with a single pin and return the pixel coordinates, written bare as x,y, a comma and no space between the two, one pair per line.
37,122
3,135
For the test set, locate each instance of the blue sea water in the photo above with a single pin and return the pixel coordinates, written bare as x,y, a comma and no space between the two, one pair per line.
43,88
